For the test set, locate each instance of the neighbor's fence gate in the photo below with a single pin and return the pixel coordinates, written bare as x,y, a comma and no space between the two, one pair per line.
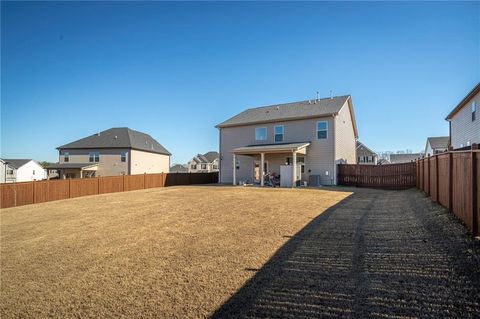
18,194
451,179
390,176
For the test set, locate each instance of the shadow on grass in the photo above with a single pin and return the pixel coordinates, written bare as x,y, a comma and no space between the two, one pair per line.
371,255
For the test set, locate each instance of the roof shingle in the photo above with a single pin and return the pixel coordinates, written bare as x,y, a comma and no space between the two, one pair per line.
118,137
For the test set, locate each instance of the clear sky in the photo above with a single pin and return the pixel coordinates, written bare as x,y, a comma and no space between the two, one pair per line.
175,70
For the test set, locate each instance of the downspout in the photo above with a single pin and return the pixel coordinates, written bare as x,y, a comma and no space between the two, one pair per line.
220,155
334,177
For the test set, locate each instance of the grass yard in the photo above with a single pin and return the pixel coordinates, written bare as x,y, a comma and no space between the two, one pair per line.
166,252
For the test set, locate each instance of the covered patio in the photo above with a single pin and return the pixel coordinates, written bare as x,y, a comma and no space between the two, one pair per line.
74,170
288,149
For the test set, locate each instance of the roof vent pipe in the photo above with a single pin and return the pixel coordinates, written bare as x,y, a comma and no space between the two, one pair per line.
331,94
98,134
318,96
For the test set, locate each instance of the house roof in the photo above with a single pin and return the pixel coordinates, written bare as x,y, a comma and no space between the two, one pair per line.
178,168
404,158
361,145
16,163
291,111
277,147
438,142
464,101
118,137
211,156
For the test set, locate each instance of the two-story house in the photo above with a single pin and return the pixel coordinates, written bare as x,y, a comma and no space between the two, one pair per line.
365,156
304,140
204,163
464,121
116,151
437,144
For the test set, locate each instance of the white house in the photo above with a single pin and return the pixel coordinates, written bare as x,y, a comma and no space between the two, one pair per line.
22,170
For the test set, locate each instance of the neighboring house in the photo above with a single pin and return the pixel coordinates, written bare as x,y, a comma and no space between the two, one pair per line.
383,161
204,163
116,151
366,156
404,158
314,135
464,120
178,168
437,145
22,170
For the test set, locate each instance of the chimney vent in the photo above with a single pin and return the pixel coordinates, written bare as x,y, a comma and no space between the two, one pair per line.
331,94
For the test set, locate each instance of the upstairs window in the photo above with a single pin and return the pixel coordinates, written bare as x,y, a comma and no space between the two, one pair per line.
66,157
123,157
322,128
204,166
261,134
279,133
93,157
474,110
193,166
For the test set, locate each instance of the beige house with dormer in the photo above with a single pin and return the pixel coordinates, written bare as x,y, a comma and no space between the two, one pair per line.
300,141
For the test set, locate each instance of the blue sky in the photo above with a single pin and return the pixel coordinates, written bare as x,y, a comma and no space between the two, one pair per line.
174,70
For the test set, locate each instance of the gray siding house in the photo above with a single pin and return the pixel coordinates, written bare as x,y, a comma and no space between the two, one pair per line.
464,120
311,137
204,163
437,145
116,151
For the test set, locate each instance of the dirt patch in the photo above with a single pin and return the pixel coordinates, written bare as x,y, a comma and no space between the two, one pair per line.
170,252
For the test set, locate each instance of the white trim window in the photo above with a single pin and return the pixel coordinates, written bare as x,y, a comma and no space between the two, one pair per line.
474,110
123,157
66,157
279,130
94,157
260,134
322,129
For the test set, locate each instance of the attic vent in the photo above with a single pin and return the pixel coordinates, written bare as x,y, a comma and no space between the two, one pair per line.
146,142
98,134
152,146
116,137
278,107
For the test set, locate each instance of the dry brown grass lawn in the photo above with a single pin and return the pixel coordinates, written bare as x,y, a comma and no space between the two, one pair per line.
166,252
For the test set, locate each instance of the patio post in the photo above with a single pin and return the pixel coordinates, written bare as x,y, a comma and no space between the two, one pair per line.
294,172
234,170
262,165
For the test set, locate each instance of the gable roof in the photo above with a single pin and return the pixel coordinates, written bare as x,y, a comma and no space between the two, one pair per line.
16,163
118,137
211,156
178,168
361,145
439,142
404,158
291,111
464,101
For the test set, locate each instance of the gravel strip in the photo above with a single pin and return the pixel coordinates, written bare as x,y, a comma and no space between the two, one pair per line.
377,254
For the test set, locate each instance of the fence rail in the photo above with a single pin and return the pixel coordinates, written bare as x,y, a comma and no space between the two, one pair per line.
451,179
391,176
18,194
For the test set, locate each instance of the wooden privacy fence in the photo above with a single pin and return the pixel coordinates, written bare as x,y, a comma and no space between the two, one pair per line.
451,179
18,194
390,176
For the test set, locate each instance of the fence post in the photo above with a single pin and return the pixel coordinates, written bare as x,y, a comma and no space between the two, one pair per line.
450,182
69,188
98,185
33,192
123,182
436,179
428,176
144,177
474,190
